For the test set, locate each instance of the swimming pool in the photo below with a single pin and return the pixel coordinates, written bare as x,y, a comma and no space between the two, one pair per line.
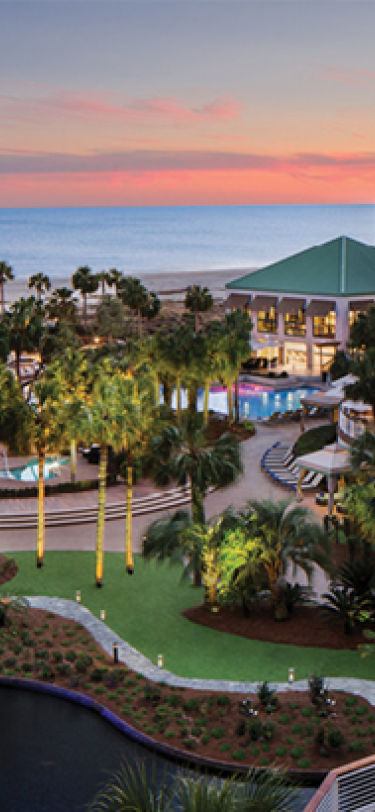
255,400
30,472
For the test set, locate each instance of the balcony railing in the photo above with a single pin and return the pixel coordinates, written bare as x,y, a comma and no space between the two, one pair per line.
298,330
267,325
347,789
323,331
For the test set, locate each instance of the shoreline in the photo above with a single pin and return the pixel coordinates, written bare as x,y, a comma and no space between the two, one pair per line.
172,285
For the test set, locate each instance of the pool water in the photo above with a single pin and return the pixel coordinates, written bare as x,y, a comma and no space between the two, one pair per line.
255,401
30,472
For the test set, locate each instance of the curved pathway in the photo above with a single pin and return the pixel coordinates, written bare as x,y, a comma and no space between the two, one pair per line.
141,664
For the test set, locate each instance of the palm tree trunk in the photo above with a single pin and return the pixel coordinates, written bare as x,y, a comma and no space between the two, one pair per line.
2,298
129,562
157,389
178,397
18,364
236,401
99,551
197,505
230,403
205,401
85,310
73,460
40,531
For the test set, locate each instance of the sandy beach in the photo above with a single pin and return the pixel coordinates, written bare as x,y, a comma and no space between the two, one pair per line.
170,286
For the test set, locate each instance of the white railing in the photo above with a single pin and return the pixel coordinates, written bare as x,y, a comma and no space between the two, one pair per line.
347,789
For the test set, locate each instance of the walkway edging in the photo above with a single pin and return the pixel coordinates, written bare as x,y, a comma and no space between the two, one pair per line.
141,664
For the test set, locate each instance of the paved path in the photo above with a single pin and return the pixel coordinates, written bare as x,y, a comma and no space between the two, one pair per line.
142,665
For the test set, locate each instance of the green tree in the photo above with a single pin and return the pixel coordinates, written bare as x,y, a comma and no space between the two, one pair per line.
62,306
104,278
240,569
234,347
115,277
6,275
134,295
70,370
181,454
24,324
286,535
364,388
110,316
103,422
362,333
41,282
14,417
86,282
198,300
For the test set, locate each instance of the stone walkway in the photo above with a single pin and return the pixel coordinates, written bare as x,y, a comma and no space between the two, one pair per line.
138,662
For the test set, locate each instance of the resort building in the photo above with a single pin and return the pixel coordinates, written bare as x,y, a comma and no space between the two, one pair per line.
302,307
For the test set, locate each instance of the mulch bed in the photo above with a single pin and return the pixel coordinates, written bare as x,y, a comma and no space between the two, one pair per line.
8,569
44,646
306,626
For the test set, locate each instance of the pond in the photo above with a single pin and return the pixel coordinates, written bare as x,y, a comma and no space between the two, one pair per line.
55,755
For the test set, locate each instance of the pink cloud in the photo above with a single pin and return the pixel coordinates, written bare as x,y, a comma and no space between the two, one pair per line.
354,76
34,103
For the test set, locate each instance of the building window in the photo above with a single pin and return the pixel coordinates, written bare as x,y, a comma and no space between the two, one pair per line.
267,321
325,326
295,324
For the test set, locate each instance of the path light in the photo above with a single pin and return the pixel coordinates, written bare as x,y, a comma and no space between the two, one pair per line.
78,596
115,652
160,661
291,676
102,614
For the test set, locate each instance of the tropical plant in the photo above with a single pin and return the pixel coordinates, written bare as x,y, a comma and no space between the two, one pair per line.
6,275
198,300
134,296
362,332
240,573
24,323
181,454
360,505
41,282
62,305
17,604
131,790
115,278
86,282
342,605
287,536
104,278
14,416
358,576
364,388
71,373
362,456
110,315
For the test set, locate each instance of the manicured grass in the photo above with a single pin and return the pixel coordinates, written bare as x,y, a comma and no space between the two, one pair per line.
145,609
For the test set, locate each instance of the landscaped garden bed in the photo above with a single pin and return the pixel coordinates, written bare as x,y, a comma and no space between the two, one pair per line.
286,730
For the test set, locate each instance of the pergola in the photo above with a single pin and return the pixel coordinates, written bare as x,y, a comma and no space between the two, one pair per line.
332,461
328,399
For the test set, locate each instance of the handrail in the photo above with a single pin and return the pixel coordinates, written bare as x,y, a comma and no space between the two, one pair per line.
347,785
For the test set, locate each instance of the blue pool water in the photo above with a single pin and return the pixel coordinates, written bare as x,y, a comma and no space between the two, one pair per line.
29,472
255,400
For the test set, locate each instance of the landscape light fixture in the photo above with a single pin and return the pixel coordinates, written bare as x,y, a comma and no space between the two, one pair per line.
160,661
78,596
102,614
291,676
115,652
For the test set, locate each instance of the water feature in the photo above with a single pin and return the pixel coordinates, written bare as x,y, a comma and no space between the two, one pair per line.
54,755
255,400
30,471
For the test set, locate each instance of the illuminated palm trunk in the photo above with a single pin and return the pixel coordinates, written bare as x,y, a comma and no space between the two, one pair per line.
129,562
230,403
73,460
157,389
178,394
205,400
236,400
99,549
40,531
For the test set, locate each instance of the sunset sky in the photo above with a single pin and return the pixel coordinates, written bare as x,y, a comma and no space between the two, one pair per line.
183,102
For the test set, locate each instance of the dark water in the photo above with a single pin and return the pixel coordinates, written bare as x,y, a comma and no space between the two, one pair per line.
54,755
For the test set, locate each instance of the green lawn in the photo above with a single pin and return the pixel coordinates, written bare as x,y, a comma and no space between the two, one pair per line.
145,610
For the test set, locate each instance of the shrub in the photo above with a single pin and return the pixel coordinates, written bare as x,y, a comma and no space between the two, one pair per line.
240,728
56,656
17,648
239,755
281,751
191,705
223,700
284,719
63,669
304,763
361,710
335,738
71,656
10,662
46,672
269,730
297,729
356,747
217,732
255,730
174,700
27,667
81,665
296,752
351,701
205,739
98,674
224,747
266,695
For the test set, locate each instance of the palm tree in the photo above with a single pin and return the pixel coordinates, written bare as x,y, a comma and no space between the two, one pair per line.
362,455
24,323
104,278
86,282
41,282
6,275
130,790
181,454
71,372
286,535
47,432
103,422
115,278
198,300
62,305
364,388
134,295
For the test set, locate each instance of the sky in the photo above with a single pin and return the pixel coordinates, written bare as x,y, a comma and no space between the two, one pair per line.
186,102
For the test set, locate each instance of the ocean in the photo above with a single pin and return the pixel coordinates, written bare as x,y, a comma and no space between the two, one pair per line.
171,240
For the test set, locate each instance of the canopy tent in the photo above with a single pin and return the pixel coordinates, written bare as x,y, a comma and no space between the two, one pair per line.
332,461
